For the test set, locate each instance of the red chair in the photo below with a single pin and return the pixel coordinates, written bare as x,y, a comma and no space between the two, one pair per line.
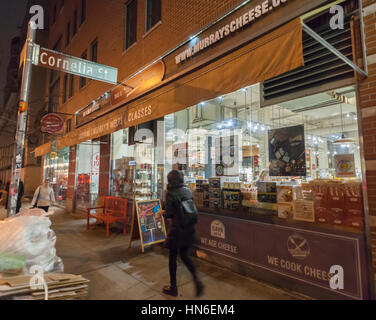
114,209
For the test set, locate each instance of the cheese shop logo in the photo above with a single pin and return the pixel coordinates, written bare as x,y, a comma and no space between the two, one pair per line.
217,229
298,246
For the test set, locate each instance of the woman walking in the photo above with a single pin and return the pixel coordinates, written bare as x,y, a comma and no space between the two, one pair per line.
44,196
181,234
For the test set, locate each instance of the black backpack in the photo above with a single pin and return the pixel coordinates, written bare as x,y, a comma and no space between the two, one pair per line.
188,213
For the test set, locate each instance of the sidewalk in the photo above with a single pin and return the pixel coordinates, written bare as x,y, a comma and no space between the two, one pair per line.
118,273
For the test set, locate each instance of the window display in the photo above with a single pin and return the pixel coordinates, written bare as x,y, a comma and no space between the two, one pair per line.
88,161
296,161
56,167
133,167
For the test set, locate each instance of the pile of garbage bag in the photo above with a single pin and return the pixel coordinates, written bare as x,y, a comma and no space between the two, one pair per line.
27,240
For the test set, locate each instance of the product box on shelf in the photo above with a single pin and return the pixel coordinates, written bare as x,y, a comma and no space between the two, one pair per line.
303,210
267,192
206,195
214,193
215,183
285,210
199,199
227,204
231,195
284,194
353,197
336,201
214,203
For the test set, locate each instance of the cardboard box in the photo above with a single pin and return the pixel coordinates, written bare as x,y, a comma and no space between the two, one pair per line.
214,193
322,215
284,194
285,210
303,210
214,183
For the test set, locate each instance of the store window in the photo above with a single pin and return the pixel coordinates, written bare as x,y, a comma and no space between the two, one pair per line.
133,165
94,51
295,161
65,88
153,13
130,23
83,79
87,174
83,11
68,33
75,17
56,168
71,86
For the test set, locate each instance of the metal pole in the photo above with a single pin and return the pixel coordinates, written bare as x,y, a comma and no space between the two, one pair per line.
21,122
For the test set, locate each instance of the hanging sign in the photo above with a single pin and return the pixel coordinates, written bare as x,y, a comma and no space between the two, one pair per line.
84,68
52,123
345,165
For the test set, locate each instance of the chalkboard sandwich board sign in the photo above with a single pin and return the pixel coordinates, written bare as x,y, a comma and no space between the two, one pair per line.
150,222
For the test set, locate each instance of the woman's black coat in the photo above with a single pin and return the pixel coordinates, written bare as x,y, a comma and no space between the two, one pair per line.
178,237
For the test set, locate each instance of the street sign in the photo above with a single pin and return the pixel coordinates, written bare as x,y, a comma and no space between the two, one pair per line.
52,123
54,60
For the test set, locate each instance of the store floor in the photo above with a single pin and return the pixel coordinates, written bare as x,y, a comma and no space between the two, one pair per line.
117,272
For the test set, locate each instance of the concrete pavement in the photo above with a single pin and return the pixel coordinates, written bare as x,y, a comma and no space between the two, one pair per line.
118,273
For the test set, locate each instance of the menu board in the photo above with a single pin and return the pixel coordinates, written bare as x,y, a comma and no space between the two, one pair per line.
150,221
287,152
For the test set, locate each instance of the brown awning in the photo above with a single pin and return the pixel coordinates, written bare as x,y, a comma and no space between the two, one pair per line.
42,150
278,52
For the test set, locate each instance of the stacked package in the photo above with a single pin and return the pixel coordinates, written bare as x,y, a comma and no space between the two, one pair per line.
56,286
338,202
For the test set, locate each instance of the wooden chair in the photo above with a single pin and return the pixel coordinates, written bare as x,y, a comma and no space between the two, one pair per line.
114,209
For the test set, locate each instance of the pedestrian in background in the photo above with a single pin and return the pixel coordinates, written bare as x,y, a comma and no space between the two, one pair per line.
44,196
20,195
181,234
19,198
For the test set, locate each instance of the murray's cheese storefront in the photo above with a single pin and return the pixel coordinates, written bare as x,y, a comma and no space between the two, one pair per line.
260,112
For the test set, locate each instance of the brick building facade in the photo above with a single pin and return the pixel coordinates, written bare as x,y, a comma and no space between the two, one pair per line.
95,30
367,92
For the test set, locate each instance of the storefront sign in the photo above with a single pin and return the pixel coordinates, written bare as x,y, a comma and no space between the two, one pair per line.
304,255
150,222
139,83
121,94
240,22
52,123
345,165
62,62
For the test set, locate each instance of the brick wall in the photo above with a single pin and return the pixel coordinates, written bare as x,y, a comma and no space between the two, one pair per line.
105,21
367,92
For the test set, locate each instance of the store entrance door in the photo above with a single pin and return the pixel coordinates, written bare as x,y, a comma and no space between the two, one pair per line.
87,175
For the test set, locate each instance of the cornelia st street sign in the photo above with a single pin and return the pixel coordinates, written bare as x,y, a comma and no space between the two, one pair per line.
59,61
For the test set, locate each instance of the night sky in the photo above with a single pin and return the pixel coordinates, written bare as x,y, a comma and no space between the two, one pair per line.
12,13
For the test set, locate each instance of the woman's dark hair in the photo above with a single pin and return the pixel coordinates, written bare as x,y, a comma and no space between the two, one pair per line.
175,179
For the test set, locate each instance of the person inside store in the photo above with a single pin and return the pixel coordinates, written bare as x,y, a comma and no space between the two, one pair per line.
181,231
44,196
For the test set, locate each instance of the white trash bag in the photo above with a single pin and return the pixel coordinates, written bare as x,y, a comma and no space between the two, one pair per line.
28,240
